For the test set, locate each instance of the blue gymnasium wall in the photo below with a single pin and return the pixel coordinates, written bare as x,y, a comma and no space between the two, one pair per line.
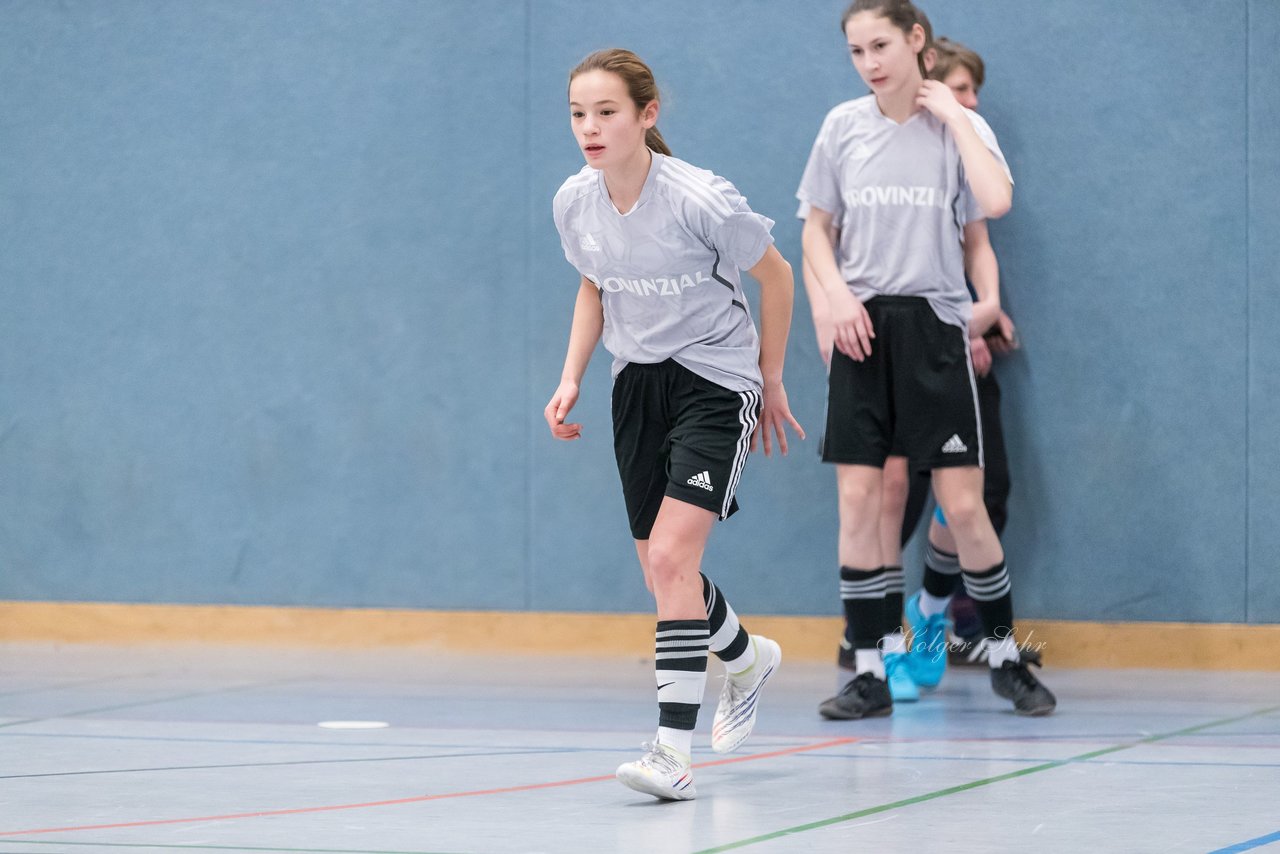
281,300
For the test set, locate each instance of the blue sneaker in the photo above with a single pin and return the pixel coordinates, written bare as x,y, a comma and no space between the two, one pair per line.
928,656
897,671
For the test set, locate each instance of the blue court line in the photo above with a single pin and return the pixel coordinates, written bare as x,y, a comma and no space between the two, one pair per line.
778,740
489,748
474,752
1250,844
61,686
152,701
277,742
389,745
350,760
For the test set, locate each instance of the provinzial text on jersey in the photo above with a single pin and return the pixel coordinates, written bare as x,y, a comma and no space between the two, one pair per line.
662,286
919,197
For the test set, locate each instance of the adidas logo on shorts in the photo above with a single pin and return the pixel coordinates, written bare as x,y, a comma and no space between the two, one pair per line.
701,480
954,445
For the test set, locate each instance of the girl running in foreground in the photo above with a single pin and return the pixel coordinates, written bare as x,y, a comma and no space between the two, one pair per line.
659,244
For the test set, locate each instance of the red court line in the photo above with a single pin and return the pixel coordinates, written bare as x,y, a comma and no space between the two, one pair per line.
822,745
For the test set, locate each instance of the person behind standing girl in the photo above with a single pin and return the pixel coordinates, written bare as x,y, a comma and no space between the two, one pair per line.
908,178
964,73
659,245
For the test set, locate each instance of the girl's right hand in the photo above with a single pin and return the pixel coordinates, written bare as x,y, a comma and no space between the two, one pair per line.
826,335
558,408
980,353
852,326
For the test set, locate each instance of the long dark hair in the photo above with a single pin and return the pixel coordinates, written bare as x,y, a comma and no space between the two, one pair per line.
640,84
903,14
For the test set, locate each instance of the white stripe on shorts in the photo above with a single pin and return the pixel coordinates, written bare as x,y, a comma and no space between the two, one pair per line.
748,418
973,390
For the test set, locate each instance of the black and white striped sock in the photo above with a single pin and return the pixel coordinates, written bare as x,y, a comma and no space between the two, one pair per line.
993,595
894,593
862,594
941,580
729,640
680,667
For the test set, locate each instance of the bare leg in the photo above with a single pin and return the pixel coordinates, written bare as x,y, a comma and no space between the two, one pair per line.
672,559
859,489
959,493
893,503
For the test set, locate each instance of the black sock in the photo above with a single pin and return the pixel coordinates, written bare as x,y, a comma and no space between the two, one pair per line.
894,594
729,640
862,594
941,572
993,596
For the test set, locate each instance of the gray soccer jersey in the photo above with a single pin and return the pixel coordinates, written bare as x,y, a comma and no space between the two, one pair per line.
898,194
668,269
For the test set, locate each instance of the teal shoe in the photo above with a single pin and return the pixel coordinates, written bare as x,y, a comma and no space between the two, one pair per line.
897,671
927,659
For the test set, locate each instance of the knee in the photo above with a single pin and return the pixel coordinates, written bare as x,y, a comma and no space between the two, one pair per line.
964,512
666,564
893,497
857,493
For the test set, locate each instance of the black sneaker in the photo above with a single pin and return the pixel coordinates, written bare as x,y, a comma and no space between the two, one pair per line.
864,696
1013,680
966,651
845,656
973,652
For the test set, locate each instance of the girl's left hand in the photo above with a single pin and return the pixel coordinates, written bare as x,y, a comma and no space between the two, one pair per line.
775,414
557,409
981,355
1006,338
937,97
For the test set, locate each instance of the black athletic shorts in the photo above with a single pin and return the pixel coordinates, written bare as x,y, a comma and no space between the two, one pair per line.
914,396
677,434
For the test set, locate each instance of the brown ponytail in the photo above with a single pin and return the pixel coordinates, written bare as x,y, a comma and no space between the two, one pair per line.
640,84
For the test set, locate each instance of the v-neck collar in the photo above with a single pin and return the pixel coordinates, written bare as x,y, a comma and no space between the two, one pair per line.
915,114
655,163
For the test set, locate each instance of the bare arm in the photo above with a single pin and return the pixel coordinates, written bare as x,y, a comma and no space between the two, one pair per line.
851,327
820,253
588,324
819,310
777,292
984,271
986,177
819,307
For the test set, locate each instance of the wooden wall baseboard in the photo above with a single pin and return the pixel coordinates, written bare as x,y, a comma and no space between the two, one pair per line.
1207,646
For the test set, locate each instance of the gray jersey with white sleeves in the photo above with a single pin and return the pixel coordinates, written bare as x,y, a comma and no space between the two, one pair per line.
898,195
668,269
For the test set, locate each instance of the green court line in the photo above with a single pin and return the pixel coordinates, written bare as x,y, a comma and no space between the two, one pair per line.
975,784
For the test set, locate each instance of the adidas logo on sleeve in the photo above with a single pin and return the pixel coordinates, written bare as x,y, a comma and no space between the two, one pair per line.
702,481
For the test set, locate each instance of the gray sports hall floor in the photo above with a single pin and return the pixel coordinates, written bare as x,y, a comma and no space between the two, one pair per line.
155,748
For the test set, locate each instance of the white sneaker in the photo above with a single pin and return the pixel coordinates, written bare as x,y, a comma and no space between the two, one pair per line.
736,711
661,772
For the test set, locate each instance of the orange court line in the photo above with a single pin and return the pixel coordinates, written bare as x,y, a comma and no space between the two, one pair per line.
822,745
